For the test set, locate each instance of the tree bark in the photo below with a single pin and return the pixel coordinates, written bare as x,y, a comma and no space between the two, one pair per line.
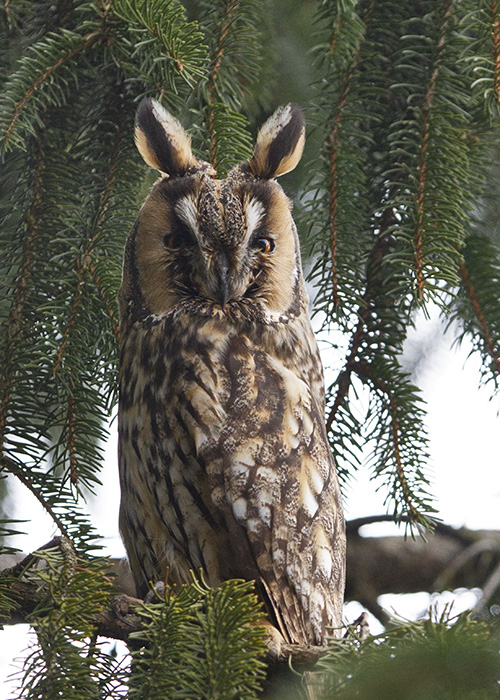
447,559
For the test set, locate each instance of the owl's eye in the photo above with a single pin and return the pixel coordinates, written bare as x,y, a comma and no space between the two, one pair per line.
179,236
173,240
264,244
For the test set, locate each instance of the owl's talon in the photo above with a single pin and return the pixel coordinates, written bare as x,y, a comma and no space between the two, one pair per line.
274,640
157,592
120,606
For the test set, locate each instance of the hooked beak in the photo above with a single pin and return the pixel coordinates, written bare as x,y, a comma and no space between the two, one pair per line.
221,270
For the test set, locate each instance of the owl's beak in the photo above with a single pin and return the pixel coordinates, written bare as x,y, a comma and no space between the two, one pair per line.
221,269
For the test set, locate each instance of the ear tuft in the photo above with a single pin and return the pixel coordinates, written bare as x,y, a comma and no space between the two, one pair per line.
280,143
161,140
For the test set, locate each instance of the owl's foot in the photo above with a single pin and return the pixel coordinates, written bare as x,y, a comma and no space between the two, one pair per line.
273,639
156,593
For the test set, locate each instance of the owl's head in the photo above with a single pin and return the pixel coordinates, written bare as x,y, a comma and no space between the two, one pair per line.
227,246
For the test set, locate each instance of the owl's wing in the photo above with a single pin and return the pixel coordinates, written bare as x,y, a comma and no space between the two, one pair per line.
275,479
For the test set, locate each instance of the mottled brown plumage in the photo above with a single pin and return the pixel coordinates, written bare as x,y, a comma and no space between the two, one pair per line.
224,460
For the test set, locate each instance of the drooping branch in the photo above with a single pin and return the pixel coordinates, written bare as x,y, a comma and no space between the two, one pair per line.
87,258
75,306
90,258
73,469
23,280
343,380
87,41
476,305
424,155
363,369
214,76
10,466
495,31
333,144
334,178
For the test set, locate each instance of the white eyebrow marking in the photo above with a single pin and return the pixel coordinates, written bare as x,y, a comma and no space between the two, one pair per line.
186,209
254,210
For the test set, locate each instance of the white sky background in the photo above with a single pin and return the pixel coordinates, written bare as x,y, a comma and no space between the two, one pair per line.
464,431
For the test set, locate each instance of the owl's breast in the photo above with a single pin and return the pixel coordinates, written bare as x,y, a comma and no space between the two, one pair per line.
173,393
194,375
176,374
223,448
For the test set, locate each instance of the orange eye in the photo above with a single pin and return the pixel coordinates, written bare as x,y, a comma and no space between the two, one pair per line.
179,236
264,244
172,240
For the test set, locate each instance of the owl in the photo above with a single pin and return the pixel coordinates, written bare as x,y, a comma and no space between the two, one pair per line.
224,461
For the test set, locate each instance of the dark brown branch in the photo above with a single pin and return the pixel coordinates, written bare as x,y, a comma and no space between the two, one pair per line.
19,563
119,621
450,558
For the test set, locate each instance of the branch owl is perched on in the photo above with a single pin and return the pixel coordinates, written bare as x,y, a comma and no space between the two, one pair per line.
224,460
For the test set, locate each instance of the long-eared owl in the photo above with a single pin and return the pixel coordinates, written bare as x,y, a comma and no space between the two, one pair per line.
224,459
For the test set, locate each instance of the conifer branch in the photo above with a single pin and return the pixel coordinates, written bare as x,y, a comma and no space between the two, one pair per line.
476,305
427,105
335,33
333,199
343,383
23,279
108,186
147,17
73,472
213,78
14,469
495,32
175,53
332,153
448,558
363,369
86,259
343,380
104,205
87,41
77,298
108,306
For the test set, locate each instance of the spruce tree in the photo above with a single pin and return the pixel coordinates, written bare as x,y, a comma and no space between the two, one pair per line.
397,211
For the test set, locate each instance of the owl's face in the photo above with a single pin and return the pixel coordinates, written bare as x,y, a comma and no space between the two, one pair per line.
230,243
